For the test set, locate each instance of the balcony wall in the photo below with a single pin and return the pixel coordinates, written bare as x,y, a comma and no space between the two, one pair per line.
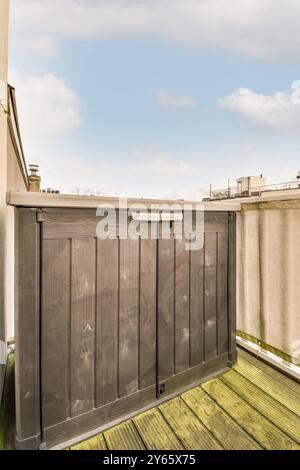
268,298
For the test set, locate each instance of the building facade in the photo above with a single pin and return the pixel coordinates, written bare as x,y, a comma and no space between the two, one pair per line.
13,176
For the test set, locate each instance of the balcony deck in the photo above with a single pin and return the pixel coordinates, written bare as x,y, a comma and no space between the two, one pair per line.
252,406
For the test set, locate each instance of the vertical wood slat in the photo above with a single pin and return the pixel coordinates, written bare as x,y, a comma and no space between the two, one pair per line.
128,317
55,331
197,306
222,293
232,289
27,330
82,325
182,320
165,309
147,369
107,321
210,322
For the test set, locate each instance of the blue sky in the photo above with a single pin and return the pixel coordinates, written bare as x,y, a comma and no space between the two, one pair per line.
118,108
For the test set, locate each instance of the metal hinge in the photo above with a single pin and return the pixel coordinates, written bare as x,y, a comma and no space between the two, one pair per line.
40,216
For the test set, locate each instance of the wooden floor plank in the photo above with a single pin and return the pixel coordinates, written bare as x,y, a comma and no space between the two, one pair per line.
279,392
222,426
259,427
124,437
189,429
281,378
277,413
155,432
94,443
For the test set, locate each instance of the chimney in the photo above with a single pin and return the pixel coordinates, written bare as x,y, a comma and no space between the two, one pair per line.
34,179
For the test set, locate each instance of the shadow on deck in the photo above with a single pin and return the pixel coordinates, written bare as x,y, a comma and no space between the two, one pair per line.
252,406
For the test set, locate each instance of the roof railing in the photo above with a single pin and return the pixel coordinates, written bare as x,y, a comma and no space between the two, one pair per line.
233,192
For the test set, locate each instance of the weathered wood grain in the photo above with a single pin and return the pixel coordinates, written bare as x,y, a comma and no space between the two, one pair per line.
83,325
259,427
281,378
155,432
124,437
191,432
107,318
210,282
232,274
165,309
217,421
222,293
182,319
197,307
102,416
215,222
94,443
70,223
147,319
55,331
128,317
281,416
27,329
285,395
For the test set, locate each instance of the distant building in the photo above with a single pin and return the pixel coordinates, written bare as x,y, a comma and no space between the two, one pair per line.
246,185
249,186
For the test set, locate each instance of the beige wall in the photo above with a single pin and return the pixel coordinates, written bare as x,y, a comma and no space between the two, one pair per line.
268,258
15,179
11,178
3,176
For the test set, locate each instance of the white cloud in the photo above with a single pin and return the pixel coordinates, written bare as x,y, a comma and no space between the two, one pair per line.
161,165
278,112
264,29
44,45
146,172
152,160
47,108
170,99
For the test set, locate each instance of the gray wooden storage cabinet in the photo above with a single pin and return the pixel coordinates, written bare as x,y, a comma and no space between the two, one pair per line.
105,328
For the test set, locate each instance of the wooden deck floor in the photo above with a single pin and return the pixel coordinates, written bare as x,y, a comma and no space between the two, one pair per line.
251,407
